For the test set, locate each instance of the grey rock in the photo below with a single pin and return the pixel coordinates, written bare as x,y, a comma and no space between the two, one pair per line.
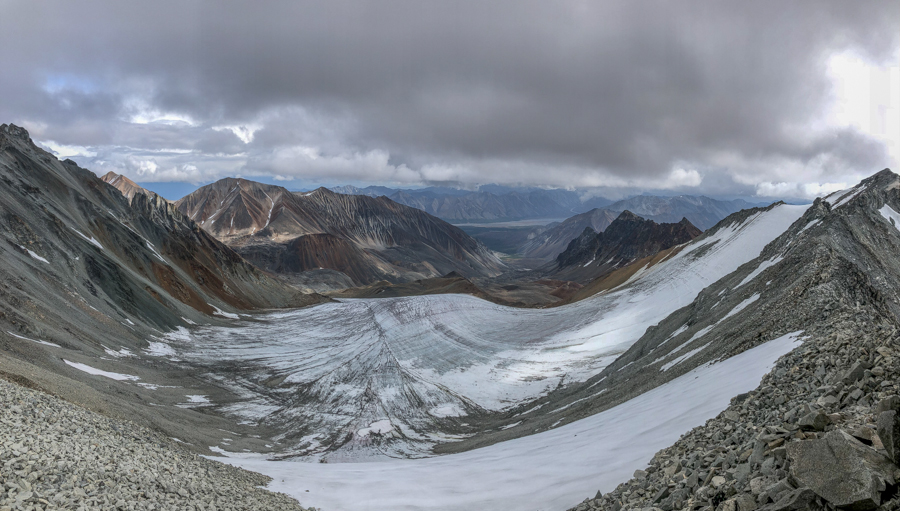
814,421
841,470
889,433
855,373
802,499
888,403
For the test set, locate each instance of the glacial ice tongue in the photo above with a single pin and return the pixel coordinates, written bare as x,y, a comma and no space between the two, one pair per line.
334,370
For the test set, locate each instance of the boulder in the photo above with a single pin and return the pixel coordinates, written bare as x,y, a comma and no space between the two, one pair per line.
814,421
889,432
801,499
888,403
841,470
855,373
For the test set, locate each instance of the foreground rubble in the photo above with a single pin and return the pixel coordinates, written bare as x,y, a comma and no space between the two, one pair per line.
820,432
55,455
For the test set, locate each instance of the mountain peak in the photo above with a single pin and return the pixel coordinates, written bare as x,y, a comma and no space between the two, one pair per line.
14,131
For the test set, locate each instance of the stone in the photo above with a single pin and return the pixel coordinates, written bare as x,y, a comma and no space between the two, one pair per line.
801,499
814,421
888,403
841,470
855,373
640,475
888,427
864,434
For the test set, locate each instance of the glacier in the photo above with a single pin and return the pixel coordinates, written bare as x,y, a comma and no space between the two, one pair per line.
422,370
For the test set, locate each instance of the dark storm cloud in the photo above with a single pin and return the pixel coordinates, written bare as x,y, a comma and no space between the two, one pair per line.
648,94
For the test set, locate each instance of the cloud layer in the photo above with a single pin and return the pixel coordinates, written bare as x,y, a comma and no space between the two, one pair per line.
727,97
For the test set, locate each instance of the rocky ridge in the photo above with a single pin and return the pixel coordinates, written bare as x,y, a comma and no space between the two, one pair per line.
628,238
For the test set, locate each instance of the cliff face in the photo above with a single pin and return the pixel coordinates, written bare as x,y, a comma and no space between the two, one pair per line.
628,238
368,238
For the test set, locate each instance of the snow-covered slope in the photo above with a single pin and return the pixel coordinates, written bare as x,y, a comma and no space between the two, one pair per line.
548,471
425,369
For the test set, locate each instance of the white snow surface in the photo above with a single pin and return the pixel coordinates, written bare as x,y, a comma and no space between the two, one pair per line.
45,343
90,240
34,255
553,470
457,350
741,306
99,372
890,215
220,312
763,266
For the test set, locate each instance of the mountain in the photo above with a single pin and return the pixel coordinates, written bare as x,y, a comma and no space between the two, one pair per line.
702,211
548,243
87,277
755,366
367,238
627,239
490,203
128,187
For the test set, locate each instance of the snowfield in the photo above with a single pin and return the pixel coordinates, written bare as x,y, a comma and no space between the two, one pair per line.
552,470
420,365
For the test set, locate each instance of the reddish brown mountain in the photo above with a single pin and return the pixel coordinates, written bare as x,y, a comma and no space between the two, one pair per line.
368,238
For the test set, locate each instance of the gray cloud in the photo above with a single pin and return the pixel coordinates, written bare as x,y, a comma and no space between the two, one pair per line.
619,94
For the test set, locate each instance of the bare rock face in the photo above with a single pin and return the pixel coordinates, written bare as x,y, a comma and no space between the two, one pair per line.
843,471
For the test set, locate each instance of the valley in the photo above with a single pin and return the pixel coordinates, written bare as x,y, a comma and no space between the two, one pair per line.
427,380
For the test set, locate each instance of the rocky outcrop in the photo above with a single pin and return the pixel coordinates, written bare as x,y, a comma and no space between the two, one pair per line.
627,239
128,187
370,238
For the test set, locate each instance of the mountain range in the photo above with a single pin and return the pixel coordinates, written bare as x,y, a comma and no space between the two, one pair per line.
366,238
753,365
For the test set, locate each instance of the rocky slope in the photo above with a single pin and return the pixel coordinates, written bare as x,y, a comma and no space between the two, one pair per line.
89,283
368,239
627,239
60,456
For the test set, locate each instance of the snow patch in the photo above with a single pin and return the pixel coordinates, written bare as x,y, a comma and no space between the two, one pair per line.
891,216
99,372
378,427
45,343
741,306
159,349
220,312
684,357
90,240
34,255
761,268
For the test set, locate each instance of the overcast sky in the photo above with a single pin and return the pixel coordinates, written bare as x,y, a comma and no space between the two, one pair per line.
742,98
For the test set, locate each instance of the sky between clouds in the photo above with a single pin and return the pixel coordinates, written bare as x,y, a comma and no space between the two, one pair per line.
731,98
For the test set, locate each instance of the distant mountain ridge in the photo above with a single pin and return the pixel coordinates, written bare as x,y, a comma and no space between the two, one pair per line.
627,239
367,238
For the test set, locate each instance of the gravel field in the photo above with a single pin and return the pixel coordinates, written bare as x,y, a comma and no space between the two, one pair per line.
55,455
